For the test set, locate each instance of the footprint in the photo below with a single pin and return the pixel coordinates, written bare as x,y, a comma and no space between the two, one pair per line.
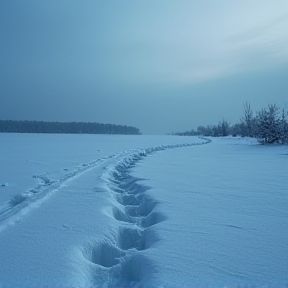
129,183
134,238
115,181
104,254
121,216
137,189
153,219
118,176
129,199
145,207
117,190
136,271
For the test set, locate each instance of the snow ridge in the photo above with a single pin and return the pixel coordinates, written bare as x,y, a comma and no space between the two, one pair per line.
20,204
123,261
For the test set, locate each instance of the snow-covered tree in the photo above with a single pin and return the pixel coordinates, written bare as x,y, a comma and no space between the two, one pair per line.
268,125
283,127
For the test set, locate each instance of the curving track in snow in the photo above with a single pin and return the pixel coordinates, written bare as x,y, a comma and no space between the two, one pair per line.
84,248
122,262
22,203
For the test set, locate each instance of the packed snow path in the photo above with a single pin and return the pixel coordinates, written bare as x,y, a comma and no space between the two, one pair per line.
104,225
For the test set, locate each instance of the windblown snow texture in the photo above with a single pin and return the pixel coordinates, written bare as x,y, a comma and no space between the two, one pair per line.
182,218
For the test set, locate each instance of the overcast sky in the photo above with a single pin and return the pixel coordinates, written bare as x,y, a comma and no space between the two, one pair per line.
159,65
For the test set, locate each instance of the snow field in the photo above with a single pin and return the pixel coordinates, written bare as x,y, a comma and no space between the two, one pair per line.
161,215
227,214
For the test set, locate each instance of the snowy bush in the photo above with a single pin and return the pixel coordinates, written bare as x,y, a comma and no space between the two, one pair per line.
268,125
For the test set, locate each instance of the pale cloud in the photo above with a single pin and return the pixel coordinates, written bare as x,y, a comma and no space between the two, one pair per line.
231,46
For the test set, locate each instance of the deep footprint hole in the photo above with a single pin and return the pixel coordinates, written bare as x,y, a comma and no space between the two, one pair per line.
153,219
137,189
145,207
129,182
104,254
121,216
134,238
136,272
129,199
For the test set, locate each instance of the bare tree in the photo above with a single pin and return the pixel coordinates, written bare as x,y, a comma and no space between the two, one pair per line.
247,120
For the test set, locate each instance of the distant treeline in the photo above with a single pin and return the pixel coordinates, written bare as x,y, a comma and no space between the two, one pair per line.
65,127
269,125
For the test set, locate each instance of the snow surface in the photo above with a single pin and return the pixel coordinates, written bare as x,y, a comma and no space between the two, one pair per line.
142,211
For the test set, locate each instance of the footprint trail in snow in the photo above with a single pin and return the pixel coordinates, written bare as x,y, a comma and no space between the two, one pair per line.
123,261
